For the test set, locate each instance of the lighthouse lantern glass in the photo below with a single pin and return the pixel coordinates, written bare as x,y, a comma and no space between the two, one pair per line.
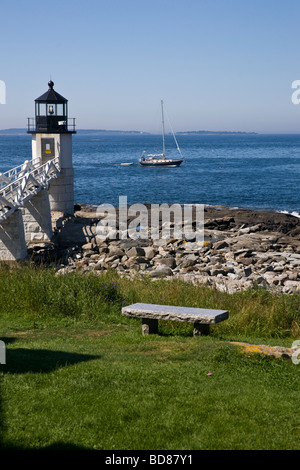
60,109
41,109
51,109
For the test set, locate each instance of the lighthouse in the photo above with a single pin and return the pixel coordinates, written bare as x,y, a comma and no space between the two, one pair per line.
52,131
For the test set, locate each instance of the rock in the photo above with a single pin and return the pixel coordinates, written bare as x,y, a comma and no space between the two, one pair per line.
247,271
293,276
131,262
259,280
244,230
229,256
240,247
161,271
88,254
220,245
232,275
255,228
159,242
110,259
149,252
278,269
190,246
103,249
168,261
187,262
115,264
88,246
135,251
269,276
245,261
141,260
115,251
291,286
217,272
171,241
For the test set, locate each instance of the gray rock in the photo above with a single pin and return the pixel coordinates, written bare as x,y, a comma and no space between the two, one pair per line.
141,260
111,259
149,252
255,228
116,251
187,262
161,271
135,251
218,272
278,269
220,245
168,261
291,286
293,276
131,262
88,246
247,271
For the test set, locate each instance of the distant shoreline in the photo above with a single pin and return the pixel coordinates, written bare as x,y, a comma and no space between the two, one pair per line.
21,131
215,133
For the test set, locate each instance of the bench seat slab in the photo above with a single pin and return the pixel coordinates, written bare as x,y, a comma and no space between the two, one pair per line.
168,312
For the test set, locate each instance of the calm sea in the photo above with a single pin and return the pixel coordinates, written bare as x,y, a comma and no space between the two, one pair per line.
253,171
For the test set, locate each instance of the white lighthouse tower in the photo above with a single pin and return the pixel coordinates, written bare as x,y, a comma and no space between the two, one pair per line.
52,138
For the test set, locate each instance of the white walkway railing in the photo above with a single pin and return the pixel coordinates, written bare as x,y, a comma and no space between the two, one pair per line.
20,184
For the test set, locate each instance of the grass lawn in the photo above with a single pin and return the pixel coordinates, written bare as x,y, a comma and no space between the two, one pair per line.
78,375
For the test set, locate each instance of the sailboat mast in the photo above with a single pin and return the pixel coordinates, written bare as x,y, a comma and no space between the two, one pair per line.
163,126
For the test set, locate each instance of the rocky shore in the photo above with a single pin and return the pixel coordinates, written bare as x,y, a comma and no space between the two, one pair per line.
241,248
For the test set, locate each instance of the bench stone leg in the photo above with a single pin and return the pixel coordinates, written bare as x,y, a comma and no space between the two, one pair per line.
200,329
149,326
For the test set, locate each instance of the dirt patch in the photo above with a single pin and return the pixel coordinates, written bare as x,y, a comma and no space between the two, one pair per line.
274,351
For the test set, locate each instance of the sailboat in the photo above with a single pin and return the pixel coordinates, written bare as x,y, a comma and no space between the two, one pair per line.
160,159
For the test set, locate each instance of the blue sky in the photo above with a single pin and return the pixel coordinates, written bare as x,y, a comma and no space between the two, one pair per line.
218,64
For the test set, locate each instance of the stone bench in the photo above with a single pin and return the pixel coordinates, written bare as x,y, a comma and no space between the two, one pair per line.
151,313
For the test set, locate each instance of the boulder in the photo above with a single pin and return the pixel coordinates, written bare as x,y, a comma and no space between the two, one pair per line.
149,252
187,261
135,251
161,271
168,261
220,245
116,251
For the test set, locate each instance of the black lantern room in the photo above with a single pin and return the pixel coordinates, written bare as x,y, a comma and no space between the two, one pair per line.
51,114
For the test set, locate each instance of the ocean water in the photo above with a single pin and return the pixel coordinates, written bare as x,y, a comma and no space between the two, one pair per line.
250,171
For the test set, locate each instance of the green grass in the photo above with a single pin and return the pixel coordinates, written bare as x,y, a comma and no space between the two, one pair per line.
79,375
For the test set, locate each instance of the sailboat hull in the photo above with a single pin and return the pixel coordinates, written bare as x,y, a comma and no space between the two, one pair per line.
154,163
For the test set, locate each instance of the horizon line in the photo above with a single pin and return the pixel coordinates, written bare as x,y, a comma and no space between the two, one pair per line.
24,129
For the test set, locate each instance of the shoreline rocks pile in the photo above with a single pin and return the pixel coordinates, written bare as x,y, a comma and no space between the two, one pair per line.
241,248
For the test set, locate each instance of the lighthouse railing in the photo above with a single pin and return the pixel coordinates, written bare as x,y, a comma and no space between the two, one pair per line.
15,173
62,125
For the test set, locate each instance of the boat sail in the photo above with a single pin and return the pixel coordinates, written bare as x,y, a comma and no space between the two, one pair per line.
160,159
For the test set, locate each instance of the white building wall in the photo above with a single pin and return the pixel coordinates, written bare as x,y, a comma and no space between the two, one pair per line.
37,218
61,190
12,238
